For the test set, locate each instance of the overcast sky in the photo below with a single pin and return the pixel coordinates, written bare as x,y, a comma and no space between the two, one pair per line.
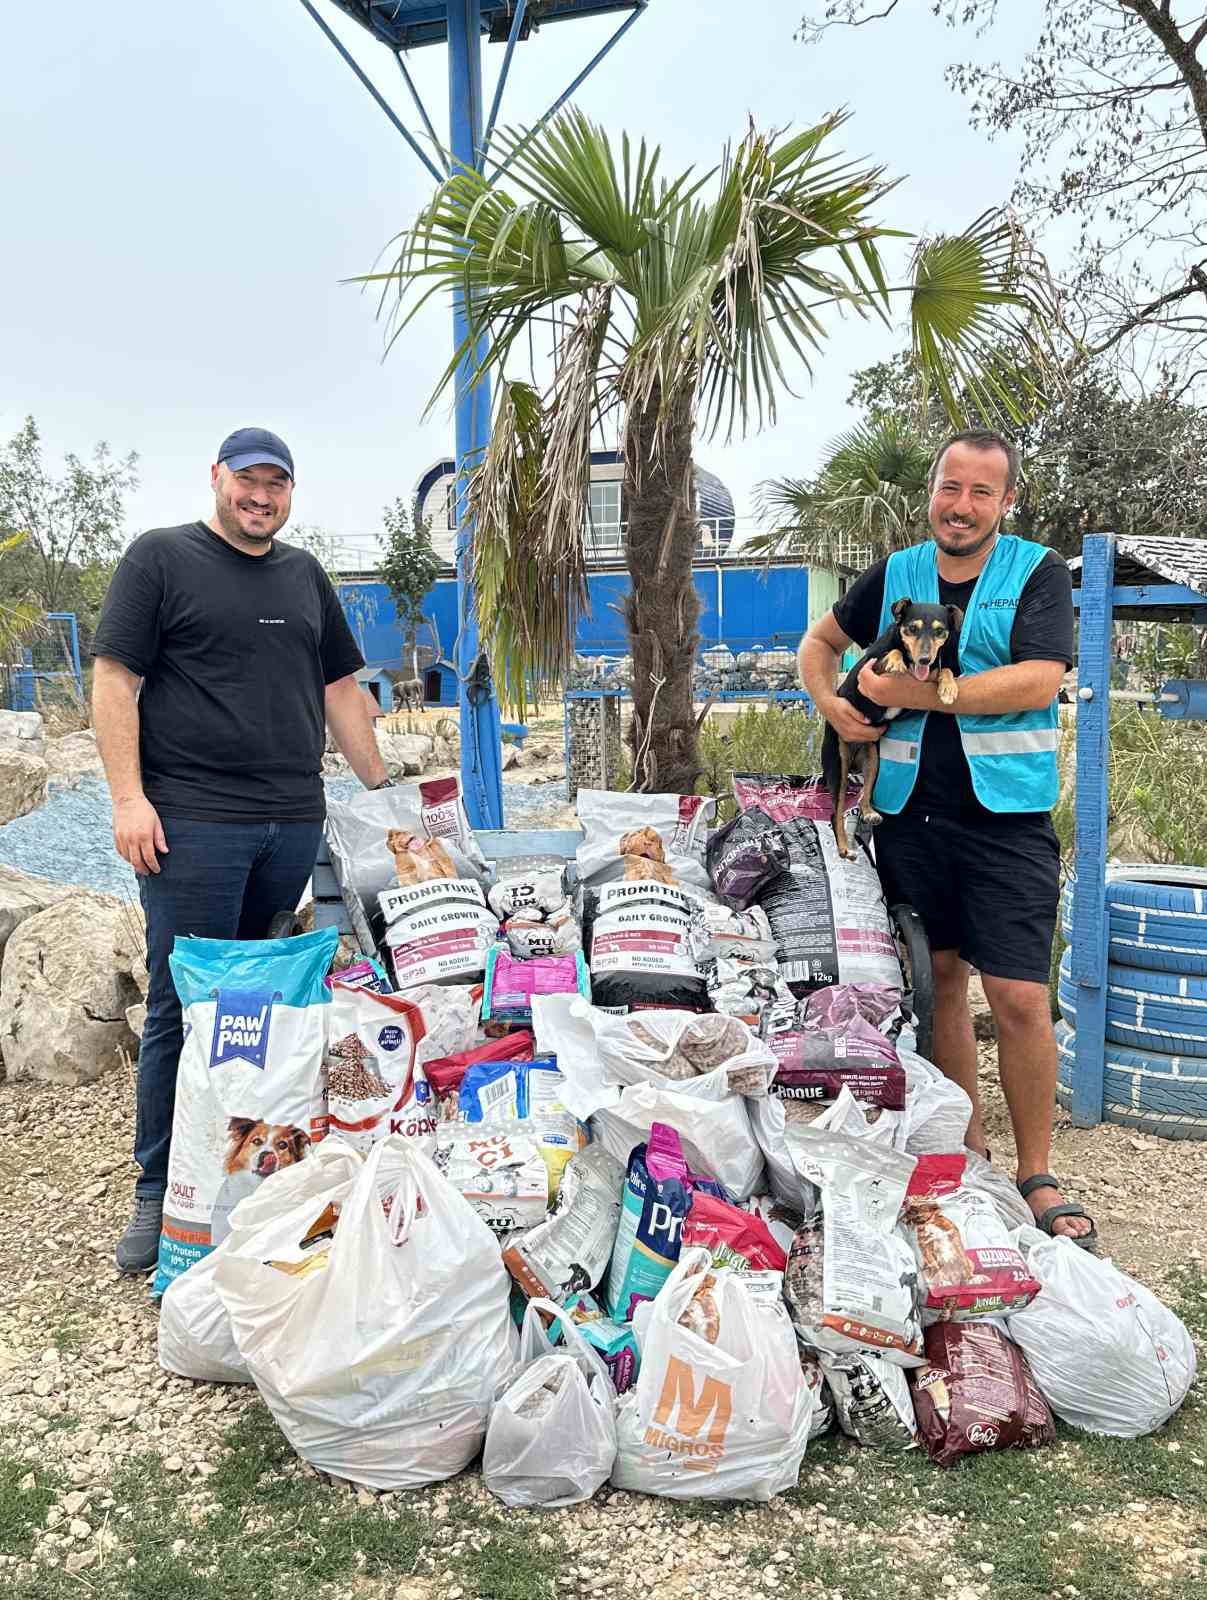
186,187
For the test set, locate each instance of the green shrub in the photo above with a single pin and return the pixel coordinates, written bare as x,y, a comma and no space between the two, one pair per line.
774,740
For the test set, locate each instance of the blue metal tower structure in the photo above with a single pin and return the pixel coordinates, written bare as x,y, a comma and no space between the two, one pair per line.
401,25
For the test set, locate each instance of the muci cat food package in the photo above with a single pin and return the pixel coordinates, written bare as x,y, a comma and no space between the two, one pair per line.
249,1092
862,1293
499,1170
637,837
374,1087
969,1266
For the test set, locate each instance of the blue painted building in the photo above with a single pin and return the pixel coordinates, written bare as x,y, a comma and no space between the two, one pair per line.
742,604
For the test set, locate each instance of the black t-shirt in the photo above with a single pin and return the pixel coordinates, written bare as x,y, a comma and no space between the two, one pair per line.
234,652
1042,631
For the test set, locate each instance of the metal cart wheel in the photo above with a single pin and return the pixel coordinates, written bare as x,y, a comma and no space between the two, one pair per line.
285,925
914,949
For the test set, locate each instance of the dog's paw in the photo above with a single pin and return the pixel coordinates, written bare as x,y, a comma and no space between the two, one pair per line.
949,689
894,661
870,817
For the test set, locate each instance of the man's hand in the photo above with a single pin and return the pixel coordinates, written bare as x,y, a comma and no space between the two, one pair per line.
138,833
848,723
897,689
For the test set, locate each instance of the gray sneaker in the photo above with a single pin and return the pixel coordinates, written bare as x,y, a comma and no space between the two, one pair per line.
138,1247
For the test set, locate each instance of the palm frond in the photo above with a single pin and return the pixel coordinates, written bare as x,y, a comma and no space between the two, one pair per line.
529,572
983,311
871,491
789,224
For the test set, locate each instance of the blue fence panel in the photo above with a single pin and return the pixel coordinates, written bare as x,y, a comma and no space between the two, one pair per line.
743,607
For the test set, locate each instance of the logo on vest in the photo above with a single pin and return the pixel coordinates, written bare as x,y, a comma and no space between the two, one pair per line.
1002,603
691,1425
241,1023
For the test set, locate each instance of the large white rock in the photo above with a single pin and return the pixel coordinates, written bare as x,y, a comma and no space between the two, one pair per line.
63,999
21,725
73,757
405,754
23,896
22,782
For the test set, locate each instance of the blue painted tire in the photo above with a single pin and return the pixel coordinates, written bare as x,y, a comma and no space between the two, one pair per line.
1159,1093
1157,921
1146,1010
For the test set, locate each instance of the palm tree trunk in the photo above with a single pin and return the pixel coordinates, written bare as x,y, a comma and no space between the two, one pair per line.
663,606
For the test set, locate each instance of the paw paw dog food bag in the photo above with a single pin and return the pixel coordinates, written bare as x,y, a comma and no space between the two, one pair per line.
374,1086
967,1263
250,1096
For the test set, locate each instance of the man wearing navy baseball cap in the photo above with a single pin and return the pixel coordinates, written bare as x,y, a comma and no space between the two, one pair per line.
222,656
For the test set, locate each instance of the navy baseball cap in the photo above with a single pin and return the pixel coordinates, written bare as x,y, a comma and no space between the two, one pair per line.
255,447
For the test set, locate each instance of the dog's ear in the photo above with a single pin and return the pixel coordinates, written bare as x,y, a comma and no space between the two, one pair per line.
900,607
955,619
239,1128
300,1142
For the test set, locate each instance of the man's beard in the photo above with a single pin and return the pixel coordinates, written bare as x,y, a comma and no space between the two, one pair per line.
229,518
962,550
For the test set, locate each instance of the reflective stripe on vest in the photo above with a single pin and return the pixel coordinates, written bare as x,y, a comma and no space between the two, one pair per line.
1011,756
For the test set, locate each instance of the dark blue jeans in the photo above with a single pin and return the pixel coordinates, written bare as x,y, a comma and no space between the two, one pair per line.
218,880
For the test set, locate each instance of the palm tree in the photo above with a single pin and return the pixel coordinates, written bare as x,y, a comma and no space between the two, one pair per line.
672,304
871,492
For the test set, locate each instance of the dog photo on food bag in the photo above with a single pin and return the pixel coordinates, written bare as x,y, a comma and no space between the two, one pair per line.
254,1152
920,640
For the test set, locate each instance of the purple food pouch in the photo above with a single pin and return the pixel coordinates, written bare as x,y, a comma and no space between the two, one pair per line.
741,865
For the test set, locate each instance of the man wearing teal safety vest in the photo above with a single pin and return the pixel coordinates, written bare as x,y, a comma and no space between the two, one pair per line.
966,790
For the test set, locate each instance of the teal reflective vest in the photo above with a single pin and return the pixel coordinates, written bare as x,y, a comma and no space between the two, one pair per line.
1012,755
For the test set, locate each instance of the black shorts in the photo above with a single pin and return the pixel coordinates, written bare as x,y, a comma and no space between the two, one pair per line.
984,885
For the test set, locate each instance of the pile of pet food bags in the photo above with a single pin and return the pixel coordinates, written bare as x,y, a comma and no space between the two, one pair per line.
622,1171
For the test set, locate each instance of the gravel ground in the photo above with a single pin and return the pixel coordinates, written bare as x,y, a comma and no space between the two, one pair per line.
120,1482
69,840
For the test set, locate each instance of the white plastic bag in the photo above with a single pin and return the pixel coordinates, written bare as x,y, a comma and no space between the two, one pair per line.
552,1434
937,1111
379,1367
670,1048
713,1127
721,1409
1107,1355
195,1337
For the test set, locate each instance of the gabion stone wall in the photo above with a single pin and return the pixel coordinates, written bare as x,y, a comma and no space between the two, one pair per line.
593,743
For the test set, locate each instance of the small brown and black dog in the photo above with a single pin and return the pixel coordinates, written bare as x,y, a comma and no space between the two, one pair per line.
921,640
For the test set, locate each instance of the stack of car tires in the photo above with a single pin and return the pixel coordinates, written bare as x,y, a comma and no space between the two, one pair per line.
1156,1004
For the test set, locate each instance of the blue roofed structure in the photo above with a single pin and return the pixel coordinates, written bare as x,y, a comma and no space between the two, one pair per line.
405,24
